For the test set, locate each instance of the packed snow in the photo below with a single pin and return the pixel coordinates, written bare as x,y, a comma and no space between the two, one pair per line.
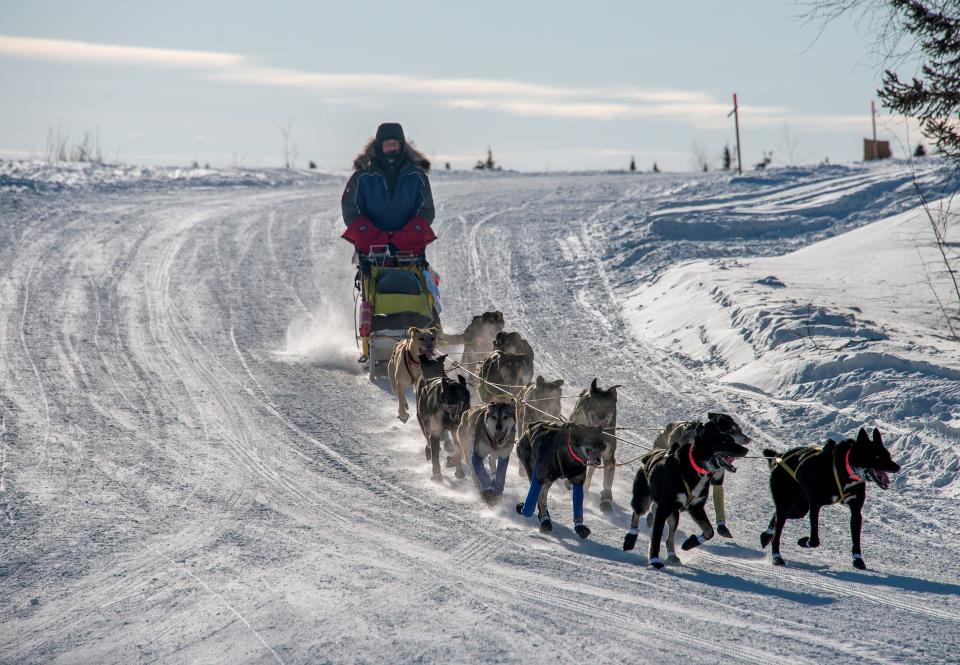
195,468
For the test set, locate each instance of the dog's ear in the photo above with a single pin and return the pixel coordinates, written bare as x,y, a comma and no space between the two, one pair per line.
463,380
513,408
412,332
435,331
614,387
540,381
593,386
710,429
441,359
877,440
558,383
862,437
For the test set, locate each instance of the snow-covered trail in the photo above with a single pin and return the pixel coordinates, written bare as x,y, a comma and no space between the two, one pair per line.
179,487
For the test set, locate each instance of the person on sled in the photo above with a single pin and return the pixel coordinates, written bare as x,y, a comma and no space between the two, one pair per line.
388,210
387,201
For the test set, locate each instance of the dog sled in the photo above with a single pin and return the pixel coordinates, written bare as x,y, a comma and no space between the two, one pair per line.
395,287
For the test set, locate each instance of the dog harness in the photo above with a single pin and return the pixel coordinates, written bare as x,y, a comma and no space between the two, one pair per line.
533,494
660,453
805,454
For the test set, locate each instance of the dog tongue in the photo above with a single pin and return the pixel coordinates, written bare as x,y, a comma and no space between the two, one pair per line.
883,478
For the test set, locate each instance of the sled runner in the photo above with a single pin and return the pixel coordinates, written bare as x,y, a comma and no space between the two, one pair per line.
396,287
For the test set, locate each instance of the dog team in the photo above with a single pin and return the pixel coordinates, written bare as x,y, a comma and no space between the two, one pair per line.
520,410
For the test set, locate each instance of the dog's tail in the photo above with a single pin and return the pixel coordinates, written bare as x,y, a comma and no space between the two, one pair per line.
453,338
772,455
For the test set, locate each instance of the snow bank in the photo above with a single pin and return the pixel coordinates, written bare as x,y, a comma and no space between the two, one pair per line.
40,176
850,324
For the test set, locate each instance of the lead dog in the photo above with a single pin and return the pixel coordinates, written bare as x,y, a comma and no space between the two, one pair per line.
803,480
404,366
440,403
598,407
550,451
477,338
486,434
683,432
678,479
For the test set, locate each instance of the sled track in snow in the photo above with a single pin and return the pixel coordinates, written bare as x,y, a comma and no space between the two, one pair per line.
274,510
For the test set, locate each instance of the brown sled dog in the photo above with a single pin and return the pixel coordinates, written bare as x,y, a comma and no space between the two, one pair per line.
477,338
404,366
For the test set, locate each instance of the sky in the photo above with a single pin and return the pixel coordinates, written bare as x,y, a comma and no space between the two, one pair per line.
546,85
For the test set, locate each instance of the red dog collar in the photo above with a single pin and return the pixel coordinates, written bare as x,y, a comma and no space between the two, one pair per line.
570,449
700,470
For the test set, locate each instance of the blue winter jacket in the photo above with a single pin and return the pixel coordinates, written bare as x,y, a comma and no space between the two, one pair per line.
368,195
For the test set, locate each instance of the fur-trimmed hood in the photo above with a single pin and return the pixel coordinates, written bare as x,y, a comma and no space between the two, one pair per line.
366,159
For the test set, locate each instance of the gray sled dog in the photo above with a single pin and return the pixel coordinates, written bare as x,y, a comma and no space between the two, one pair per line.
440,404
507,371
404,366
684,432
676,480
598,408
513,342
477,338
544,398
551,451
486,434
430,368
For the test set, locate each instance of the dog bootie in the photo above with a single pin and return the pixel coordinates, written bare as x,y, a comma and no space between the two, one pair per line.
693,541
722,530
629,541
655,562
582,531
858,562
777,560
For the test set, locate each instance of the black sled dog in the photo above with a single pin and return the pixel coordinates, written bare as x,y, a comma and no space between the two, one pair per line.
803,480
440,403
551,451
679,479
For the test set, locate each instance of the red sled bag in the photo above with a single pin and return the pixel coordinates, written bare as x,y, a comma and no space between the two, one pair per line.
364,234
414,236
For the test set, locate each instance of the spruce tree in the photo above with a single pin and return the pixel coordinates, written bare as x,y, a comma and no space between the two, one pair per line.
934,96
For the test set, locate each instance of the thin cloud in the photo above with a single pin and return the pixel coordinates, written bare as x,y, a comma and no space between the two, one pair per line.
518,98
73,52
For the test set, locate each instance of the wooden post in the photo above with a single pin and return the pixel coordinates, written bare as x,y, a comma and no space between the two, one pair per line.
736,122
873,118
